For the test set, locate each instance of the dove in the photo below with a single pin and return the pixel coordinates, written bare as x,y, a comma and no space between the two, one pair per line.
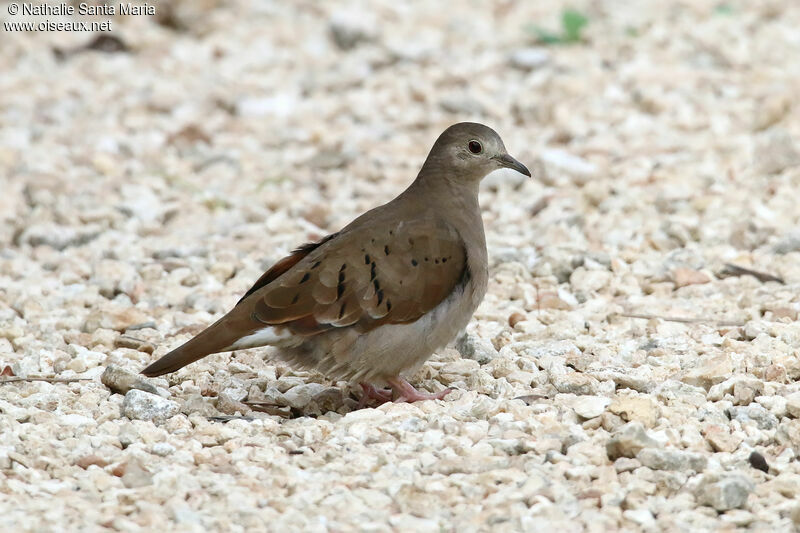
373,301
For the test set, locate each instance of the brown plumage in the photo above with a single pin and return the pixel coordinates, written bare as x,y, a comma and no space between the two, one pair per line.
378,297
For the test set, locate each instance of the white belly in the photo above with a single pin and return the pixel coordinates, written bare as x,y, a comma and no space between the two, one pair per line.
392,349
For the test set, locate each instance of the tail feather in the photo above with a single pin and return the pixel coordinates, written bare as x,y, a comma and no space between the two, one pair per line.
216,338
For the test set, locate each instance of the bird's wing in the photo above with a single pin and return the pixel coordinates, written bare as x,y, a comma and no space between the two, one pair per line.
387,274
384,275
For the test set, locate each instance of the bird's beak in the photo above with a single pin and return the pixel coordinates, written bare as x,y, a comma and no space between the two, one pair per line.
507,161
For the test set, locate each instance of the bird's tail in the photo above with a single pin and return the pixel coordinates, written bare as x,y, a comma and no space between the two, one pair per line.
216,338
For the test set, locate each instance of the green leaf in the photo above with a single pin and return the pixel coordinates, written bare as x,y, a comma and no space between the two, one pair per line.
723,9
573,22
542,35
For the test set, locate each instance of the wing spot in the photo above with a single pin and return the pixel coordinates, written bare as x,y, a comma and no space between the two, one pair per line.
305,277
414,262
444,259
426,259
372,272
341,309
380,296
436,261
377,285
388,305
315,265
366,259
340,286
296,297
386,249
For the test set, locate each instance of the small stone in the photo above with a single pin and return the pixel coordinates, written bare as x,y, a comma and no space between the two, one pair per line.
162,449
229,400
629,380
575,383
300,396
641,409
753,413
199,404
515,318
279,105
5,460
775,373
588,281
753,329
590,406
348,30
684,277
709,371
529,58
628,441
787,244
126,341
236,392
120,380
793,404
135,475
116,320
721,439
88,460
724,492
460,368
626,464
58,236
738,517
788,434
775,151
83,359
329,399
671,460
758,461
743,388
774,404
473,347
551,300
784,312
286,382
102,337
128,435
140,405
642,517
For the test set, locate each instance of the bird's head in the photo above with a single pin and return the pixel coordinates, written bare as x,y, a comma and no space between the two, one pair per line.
469,151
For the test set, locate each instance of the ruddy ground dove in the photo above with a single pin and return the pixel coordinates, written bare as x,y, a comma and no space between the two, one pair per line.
376,299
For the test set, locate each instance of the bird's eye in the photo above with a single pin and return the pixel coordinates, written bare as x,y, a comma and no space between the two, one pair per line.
475,147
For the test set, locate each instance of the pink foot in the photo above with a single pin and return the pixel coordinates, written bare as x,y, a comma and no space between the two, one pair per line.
371,392
405,391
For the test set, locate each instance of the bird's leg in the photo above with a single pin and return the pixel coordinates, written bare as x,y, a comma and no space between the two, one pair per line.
405,391
371,392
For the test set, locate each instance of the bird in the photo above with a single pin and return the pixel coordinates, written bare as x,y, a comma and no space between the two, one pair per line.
372,302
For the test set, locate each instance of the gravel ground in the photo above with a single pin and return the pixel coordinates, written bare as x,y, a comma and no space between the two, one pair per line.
619,375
